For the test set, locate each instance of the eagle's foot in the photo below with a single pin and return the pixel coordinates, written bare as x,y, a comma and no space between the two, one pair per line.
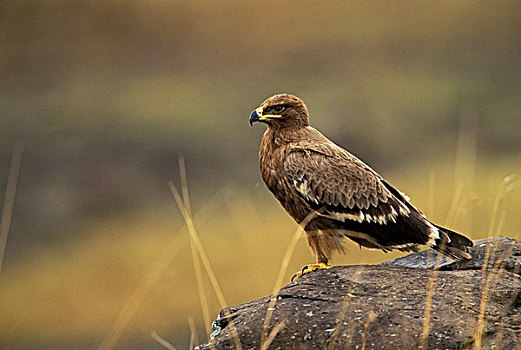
308,268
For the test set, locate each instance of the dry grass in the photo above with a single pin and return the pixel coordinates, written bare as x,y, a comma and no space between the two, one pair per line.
428,304
266,338
194,339
10,195
162,341
269,339
507,185
127,280
365,325
456,210
340,318
198,251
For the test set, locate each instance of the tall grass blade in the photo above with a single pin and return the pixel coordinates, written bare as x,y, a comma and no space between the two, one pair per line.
142,290
431,193
428,303
162,341
506,186
466,149
282,271
197,242
194,237
203,300
184,185
10,195
341,315
194,339
451,215
370,319
273,334
152,277
299,233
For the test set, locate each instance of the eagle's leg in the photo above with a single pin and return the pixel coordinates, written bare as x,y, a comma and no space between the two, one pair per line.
320,244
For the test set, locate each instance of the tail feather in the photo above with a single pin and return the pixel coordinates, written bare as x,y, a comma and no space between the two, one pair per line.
453,244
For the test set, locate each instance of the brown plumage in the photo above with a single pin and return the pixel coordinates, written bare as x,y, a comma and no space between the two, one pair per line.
336,195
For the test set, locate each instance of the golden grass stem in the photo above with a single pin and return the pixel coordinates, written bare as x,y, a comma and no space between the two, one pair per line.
507,185
142,290
451,216
282,271
299,232
501,222
431,193
495,209
478,334
370,319
428,304
466,148
162,341
488,276
486,286
184,185
203,300
340,318
10,195
197,242
194,339
273,334
278,282
166,257
495,226
194,237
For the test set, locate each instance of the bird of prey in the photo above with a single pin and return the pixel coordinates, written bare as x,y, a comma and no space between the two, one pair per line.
333,194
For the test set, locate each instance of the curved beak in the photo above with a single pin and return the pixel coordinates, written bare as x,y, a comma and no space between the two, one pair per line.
255,116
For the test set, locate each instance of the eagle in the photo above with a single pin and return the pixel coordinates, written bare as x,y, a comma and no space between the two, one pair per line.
332,194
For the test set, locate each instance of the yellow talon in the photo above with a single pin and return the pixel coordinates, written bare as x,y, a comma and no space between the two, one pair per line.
308,268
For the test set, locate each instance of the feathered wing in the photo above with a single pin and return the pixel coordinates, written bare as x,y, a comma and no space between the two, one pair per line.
345,190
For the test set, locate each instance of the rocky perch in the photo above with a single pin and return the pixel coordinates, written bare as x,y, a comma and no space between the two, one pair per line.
402,304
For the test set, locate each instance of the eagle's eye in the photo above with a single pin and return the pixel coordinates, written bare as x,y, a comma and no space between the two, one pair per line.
278,109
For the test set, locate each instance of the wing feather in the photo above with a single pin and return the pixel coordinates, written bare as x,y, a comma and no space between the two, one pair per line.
342,186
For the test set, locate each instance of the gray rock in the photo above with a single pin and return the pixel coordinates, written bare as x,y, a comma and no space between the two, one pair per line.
384,306
502,252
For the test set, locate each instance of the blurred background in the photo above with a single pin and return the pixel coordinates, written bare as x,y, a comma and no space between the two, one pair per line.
107,96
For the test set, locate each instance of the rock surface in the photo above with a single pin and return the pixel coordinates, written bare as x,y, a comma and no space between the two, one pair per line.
384,306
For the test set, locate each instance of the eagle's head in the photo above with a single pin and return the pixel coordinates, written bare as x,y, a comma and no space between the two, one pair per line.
281,111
